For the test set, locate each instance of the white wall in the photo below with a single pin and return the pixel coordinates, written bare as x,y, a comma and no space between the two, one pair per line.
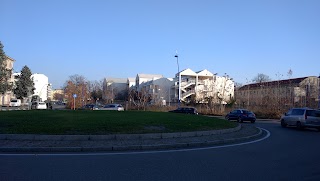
41,86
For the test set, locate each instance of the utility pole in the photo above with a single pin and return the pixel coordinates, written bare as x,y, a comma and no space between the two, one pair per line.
179,89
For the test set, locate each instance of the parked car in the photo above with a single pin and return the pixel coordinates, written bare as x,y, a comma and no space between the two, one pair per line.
115,107
15,103
241,115
301,118
89,107
185,110
38,105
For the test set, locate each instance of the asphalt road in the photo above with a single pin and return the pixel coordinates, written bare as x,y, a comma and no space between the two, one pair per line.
287,154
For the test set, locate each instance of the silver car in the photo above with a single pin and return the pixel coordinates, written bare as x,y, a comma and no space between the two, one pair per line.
115,107
301,118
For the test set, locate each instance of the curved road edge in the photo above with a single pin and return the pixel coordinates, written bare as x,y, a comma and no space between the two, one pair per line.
192,145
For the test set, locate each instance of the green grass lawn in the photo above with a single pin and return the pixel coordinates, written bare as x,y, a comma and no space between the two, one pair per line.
104,122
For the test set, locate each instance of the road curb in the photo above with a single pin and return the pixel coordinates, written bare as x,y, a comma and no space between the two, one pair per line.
34,137
134,147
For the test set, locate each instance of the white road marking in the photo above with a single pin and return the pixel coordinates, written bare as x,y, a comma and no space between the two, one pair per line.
141,152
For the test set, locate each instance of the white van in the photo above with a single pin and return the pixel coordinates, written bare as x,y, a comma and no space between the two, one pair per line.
39,105
15,103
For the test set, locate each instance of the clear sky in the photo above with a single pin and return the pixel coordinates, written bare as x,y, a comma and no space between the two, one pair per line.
121,38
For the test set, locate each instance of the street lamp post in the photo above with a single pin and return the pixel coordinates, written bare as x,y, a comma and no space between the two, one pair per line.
179,92
169,96
248,84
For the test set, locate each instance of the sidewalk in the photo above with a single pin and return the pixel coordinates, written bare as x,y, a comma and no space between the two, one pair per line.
126,142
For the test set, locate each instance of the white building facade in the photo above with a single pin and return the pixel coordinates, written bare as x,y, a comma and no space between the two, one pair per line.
197,87
203,86
114,88
42,86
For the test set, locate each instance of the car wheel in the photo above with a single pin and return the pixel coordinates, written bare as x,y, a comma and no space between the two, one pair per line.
253,121
283,124
299,126
240,120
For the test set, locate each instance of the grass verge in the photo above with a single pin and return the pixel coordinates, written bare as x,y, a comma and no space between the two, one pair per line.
104,122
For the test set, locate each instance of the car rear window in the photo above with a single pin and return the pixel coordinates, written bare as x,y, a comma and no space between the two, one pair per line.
313,113
297,112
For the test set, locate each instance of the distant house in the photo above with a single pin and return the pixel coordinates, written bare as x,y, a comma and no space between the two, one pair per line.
297,92
143,78
114,88
131,82
160,90
58,95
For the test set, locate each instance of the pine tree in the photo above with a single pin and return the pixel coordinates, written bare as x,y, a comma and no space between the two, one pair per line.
4,85
24,85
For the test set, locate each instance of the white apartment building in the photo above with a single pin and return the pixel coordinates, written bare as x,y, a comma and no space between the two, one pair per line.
114,88
160,90
200,87
143,78
41,85
203,86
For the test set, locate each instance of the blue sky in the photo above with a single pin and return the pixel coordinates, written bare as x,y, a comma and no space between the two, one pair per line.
120,38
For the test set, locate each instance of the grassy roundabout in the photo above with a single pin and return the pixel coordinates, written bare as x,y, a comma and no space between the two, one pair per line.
104,122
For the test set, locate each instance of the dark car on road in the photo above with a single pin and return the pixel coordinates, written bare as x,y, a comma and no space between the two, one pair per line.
89,107
185,110
241,115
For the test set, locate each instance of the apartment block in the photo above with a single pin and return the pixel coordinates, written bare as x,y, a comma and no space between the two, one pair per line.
297,92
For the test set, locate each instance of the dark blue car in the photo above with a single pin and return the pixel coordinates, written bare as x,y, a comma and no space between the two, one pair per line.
241,115
185,110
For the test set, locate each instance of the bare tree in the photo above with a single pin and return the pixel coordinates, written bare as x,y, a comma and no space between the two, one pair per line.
95,89
238,85
261,78
143,97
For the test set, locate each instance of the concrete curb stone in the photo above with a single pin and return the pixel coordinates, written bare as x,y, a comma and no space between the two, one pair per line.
115,136
160,146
